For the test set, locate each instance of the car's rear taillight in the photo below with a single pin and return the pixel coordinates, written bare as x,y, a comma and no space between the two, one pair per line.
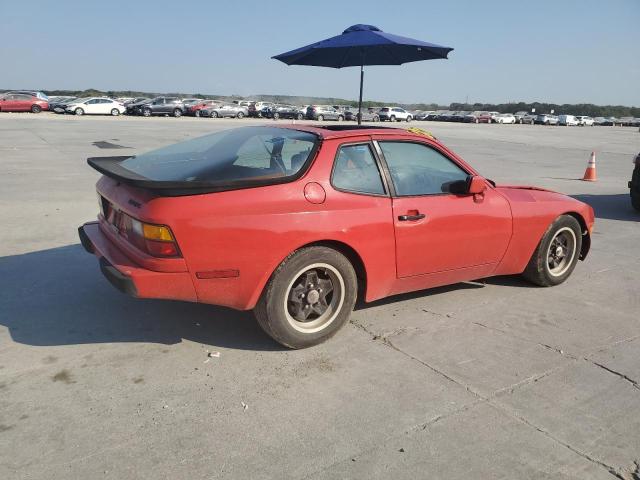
155,240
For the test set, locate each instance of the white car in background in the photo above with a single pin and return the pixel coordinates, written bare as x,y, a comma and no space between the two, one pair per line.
585,121
96,106
568,121
505,118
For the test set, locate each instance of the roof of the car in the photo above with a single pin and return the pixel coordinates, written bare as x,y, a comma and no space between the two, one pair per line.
345,131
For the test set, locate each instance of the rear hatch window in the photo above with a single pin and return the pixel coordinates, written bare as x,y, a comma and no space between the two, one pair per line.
227,160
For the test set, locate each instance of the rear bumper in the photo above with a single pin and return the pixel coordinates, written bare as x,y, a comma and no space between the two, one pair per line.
129,277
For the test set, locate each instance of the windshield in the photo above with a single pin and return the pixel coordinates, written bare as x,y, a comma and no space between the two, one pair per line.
249,153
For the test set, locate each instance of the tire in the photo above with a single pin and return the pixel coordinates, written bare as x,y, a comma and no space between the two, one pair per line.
240,115
177,113
276,116
36,108
376,118
539,271
635,200
78,111
213,115
320,118
197,114
115,112
286,321
409,118
392,118
299,116
340,118
146,112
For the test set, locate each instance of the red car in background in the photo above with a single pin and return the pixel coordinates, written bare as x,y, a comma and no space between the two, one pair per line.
22,102
487,117
194,110
297,222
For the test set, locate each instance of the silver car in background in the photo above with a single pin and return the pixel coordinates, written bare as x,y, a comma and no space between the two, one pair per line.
225,110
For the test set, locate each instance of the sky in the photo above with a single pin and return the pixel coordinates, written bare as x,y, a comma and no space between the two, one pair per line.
560,51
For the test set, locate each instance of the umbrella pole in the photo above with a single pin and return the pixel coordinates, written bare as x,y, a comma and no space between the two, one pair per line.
360,100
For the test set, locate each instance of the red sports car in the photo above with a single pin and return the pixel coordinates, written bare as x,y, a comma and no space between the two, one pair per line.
297,222
22,102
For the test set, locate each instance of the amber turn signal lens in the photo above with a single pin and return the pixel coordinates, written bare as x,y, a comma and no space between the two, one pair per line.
158,233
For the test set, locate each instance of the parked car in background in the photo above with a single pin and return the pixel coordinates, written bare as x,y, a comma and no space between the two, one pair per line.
95,106
162,106
585,121
626,121
224,110
195,109
58,104
505,118
529,118
22,102
488,117
284,111
472,117
323,112
422,115
255,109
136,100
634,184
568,121
368,115
520,115
434,116
546,119
459,116
394,114
221,219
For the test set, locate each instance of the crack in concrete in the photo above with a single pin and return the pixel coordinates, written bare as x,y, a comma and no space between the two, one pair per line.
618,374
617,473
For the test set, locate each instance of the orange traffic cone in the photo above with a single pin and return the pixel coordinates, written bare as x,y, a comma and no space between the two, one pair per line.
590,172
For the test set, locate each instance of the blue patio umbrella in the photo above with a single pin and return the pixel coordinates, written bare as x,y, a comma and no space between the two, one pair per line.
361,45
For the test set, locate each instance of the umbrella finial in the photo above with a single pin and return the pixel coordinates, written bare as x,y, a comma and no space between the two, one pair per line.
360,27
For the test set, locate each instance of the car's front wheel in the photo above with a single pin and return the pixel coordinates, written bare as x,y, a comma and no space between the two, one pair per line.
320,118
300,116
308,298
177,113
79,111
36,108
409,119
240,115
146,112
557,253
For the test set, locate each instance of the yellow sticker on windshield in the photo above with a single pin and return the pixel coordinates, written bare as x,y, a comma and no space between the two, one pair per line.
419,131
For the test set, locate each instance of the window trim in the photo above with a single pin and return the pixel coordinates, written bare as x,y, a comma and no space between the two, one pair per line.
378,163
387,171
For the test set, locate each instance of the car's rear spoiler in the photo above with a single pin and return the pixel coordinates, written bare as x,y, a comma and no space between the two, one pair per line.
112,167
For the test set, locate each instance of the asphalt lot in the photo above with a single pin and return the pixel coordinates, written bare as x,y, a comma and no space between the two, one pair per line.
482,381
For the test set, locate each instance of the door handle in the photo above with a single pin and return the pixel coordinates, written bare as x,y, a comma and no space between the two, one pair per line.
409,218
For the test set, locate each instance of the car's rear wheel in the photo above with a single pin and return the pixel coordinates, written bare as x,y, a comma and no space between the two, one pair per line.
557,253
36,108
308,298
300,116
240,115
409,118
146,112
213,114
79,111
376,118
177,113
115,112
320,118
340,118
276,115
392,118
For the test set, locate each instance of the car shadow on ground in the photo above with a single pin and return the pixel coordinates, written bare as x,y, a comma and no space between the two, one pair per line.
59,297
612,207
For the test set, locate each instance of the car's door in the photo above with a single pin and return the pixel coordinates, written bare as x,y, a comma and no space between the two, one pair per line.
91,107
438,231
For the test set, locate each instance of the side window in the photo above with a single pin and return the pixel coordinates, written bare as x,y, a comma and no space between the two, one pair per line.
355,170
417,169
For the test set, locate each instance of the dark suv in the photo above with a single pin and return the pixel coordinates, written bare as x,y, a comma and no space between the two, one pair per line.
163,106
634,184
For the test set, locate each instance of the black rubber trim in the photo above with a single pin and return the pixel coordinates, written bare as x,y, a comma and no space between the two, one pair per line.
118,279
84,240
